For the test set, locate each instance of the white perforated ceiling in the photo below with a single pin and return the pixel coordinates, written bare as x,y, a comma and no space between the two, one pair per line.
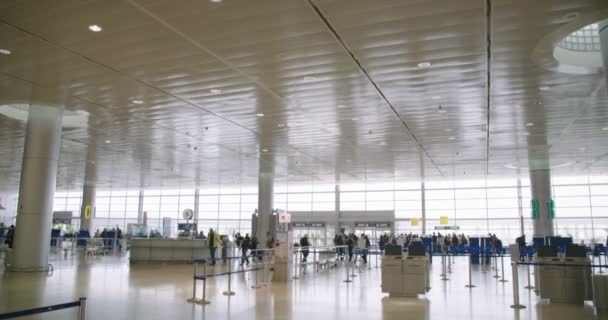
341,85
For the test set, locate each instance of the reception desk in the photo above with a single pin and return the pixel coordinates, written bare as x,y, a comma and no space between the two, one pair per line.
168,250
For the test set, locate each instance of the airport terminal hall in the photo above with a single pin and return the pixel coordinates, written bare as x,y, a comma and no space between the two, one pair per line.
304,159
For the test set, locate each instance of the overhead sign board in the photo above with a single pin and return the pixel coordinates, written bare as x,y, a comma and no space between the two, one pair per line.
447,228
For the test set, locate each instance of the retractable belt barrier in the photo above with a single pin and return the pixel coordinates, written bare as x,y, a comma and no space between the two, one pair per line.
81,304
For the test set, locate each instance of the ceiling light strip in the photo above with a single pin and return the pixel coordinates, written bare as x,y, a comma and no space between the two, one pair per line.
152,87
488,78
220,58
346,48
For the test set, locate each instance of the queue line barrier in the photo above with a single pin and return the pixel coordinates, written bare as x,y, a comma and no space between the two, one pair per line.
81,304
228,273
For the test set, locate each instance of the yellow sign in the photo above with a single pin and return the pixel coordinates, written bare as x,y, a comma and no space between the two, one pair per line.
443,220
87,212
415,222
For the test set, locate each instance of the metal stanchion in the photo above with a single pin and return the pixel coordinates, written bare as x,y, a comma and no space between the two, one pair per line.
295,266
204,300
193,299
516,304
263,283
444,275
369,264
82,311
347,277
502,268
352,269
529,286
496,268
599,257
256,285
314,261
377,254
449,264
470,285
229,292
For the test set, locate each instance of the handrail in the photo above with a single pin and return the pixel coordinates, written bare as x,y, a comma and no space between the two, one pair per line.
81,303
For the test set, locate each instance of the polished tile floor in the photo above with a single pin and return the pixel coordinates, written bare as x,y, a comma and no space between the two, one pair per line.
117,290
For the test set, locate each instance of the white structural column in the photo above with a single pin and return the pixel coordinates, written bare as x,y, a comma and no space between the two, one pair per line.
337,209
540,188
265,199
87,210
37,189
603,31
423,202
140,208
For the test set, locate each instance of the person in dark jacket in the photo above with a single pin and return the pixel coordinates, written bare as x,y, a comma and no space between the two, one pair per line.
367,246
10,236
304,244
350,242
244,248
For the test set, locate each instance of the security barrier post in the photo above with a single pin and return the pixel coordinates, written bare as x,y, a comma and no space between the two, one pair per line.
377,254
193,299
449,264
229,292
204,300
529,286
502,267
82,311
369,264
295,266
516,304
347,277
352,269
444,275
496,267
264,259
470,285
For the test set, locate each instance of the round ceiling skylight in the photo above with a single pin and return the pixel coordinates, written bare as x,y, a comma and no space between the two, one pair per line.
585,39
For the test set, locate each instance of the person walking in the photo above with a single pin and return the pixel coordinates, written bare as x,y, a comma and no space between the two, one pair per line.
225,244
10,236
305,245
245,243
213,240
350,242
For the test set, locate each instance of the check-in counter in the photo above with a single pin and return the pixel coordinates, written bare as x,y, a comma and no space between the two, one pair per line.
562,284
405,276
157,249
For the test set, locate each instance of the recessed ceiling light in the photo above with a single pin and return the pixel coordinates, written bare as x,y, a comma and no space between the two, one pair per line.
354,119
216,1
5,51
605,129
108,141
441,110
310,78
264,150
95,28
215,91
545,88
383,143
539,102
448,129
526,133
349,161
435,97
571,16
423,65
529,124
341,106
259,114
280,125
452,138
138,101
582,148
